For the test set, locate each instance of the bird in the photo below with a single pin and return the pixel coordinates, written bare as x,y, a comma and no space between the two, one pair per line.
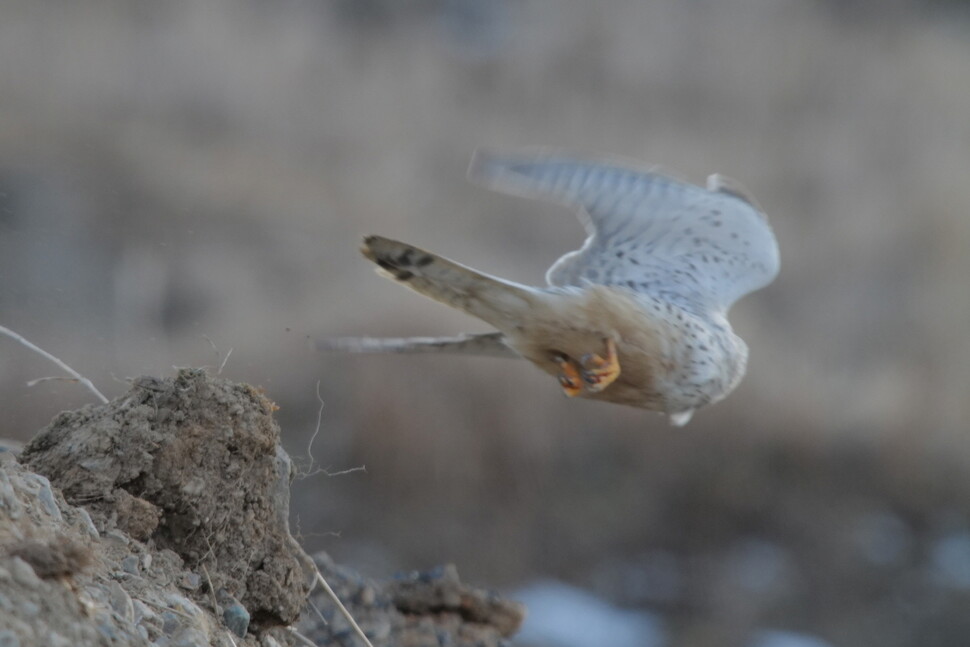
638,315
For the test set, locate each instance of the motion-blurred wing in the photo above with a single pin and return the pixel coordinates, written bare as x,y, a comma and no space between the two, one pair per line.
648,232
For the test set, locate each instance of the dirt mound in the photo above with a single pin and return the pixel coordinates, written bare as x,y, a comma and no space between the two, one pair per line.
193,464
160,519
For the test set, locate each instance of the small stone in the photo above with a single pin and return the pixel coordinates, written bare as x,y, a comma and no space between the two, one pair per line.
45,495
121,602
170,623
130,564
57,640
146,561
24,574
190,637
190,581
143,612
237,619
379,629
9,639
21,629
29,609
84,519
8,497
107,631
115,536
367,595
185,605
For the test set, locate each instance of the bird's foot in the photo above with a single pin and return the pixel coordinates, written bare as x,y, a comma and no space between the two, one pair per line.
570,376
599,372
592,373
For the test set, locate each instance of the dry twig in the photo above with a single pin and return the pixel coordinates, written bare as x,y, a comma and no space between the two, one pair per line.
77,376
340,605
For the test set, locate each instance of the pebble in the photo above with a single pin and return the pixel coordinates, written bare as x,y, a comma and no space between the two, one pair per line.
24,574
367,596
46,495
107,630
20,629
185,605
171,622
131,565
121,602
8,497
87,524
29,608
117,537
190,637
9,639
142,612
190,581
57,640
235,616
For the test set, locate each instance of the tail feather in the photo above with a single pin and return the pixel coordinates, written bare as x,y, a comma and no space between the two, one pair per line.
492,300
486,344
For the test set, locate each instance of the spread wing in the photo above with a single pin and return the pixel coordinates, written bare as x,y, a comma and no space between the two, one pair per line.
701,247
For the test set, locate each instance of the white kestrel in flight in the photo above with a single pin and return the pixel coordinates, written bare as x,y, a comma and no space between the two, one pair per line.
638,315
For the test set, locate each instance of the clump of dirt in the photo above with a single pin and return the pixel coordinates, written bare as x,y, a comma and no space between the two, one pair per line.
419,609
191,464
59,556
160,520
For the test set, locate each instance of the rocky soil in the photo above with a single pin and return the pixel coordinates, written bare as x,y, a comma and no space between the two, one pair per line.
161,519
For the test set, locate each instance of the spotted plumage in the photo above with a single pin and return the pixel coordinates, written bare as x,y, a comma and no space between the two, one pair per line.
638,314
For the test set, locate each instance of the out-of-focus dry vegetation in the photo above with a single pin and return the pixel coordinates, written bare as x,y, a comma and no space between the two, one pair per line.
170,171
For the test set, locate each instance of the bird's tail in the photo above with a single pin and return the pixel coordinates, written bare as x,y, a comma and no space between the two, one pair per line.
497,302
486,344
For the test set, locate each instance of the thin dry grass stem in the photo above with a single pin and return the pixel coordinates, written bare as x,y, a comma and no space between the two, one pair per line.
212,592
310,469
340,605
165,608
309,447
303,639
77,376
349,470
224,360
317,611
215,349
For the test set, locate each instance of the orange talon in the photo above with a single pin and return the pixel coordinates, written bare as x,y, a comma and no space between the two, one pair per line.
569,379
598,373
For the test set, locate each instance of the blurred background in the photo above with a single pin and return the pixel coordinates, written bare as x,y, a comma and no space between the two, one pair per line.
180,179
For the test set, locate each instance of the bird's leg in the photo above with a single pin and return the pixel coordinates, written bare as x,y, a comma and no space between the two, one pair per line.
569,378
599,372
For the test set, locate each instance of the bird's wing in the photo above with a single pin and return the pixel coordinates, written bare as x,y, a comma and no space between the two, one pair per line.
676,241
